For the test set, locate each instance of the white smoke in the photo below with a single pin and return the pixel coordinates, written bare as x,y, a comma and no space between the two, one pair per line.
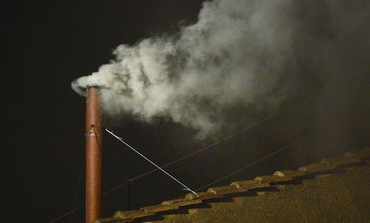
241,59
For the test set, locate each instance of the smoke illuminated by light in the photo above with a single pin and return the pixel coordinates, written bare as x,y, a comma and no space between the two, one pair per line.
242,58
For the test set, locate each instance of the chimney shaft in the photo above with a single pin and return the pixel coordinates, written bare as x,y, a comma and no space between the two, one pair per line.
93,155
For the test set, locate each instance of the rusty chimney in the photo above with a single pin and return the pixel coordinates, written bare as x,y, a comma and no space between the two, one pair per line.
93,155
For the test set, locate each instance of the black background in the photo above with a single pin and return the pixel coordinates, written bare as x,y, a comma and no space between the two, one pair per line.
47,44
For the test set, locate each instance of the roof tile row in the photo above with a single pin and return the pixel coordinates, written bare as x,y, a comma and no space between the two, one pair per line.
213,193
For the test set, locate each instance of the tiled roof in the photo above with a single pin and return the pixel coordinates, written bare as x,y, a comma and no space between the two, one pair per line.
260,183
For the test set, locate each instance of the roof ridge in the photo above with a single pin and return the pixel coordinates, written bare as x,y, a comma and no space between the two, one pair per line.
260,183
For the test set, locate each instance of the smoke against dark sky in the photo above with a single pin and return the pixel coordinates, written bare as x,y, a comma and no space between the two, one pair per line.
240,59
46,44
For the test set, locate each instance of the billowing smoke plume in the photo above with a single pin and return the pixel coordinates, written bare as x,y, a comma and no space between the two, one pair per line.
243,58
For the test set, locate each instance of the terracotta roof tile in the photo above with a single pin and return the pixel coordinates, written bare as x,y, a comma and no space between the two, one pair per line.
203,196
249,184
289,173
174,201
273,179
226,190
159,208
182,202
188,203
316,167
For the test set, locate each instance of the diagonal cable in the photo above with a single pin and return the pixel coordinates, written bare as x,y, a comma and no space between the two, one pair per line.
147,159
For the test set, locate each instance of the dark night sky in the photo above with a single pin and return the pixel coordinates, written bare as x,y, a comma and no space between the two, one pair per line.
46,45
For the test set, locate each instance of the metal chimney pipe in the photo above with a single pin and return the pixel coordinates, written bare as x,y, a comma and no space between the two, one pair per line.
93,155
